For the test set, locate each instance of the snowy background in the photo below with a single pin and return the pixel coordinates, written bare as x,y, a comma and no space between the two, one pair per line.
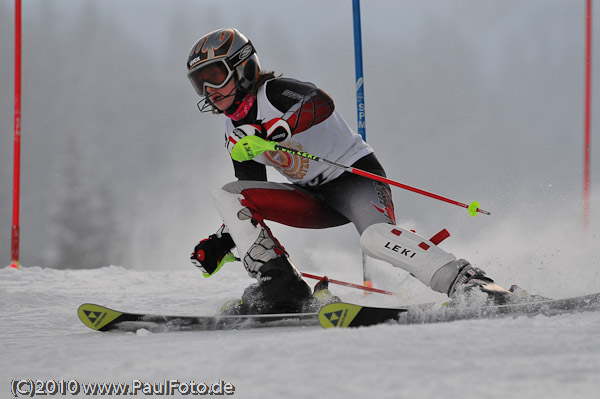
474,100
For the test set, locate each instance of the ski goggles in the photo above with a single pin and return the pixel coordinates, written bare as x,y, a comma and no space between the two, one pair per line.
216,73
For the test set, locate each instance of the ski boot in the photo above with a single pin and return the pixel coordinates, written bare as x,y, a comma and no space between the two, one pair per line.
473,287
280,289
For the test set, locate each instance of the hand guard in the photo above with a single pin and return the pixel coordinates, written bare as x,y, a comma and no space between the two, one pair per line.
212,253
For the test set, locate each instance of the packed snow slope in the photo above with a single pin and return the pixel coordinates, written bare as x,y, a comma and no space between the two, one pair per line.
556,357
42,338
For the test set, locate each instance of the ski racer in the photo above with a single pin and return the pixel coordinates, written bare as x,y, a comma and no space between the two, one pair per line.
224,69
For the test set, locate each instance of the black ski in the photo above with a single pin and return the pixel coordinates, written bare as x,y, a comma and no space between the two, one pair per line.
338,314
101,318
344,315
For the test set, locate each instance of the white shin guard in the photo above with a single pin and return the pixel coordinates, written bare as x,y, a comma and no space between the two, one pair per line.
254,243
407,250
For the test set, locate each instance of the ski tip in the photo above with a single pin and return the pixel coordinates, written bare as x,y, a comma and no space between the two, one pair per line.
96,317
338,315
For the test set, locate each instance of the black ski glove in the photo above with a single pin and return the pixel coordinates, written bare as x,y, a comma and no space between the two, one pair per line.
212,253
276,129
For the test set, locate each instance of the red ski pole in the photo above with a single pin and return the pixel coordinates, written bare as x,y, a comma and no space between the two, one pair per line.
251,146
338,282
473,207
232,258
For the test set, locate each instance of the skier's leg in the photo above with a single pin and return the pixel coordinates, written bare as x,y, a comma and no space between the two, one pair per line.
430,264
243,207
254,242
368,204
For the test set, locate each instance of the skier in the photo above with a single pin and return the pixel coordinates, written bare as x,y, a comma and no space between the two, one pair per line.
224,69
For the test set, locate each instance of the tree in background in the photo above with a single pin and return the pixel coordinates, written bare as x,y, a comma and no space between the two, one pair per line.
83,231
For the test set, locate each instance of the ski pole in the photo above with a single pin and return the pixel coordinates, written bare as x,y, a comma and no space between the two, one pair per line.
338,282
232,258
249,147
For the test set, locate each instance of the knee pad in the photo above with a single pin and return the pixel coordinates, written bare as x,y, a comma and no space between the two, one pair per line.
404,249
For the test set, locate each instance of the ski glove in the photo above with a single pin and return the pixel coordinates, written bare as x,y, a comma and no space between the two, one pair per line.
212,253
275,130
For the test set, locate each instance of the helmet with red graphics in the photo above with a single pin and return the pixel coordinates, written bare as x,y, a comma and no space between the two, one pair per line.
220,55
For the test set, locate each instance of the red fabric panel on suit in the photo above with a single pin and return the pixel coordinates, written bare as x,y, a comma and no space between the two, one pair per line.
292,208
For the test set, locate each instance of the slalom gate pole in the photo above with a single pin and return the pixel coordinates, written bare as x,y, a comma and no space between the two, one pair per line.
473,207
360,89
588,115
345,284
360,103
14,253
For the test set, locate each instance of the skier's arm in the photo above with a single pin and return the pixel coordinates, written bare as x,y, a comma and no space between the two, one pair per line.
303,104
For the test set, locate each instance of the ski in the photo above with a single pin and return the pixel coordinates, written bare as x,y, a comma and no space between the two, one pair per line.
101,318
342,315
335,315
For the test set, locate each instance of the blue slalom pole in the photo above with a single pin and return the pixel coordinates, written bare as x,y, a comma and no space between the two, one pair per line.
360,93
360,102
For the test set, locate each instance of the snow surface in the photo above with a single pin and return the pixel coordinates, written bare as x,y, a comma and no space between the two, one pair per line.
42,338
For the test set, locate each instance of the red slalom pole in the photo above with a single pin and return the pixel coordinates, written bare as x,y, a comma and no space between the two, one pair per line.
14,253
338,282
588,108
